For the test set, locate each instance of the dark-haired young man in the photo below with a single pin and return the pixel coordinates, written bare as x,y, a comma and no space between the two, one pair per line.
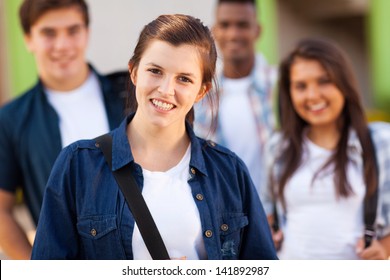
70,101
246,81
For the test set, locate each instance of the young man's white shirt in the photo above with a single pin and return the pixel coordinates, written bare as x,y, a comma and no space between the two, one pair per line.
81,112
238,125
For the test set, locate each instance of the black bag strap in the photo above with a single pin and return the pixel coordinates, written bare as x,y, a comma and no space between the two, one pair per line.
136,202
370,208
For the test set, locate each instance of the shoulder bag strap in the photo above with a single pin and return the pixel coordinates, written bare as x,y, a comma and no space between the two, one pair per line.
370,208
136,202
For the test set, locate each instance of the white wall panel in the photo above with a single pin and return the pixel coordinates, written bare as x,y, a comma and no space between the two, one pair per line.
116,24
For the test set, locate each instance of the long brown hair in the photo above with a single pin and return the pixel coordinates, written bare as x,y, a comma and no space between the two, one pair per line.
292,125
177,30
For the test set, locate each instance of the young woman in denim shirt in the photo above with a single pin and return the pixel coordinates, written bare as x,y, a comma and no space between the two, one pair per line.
200,194
326,160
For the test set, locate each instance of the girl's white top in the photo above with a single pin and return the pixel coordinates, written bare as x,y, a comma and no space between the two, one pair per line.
170,201
319,224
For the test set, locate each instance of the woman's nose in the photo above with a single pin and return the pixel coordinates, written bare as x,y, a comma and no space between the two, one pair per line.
167,87
313,92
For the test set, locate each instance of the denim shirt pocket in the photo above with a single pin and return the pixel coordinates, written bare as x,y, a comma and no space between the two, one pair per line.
99,237
231,229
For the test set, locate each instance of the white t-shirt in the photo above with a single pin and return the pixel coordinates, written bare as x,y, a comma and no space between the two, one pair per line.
81,112
170,201
319,225
238,125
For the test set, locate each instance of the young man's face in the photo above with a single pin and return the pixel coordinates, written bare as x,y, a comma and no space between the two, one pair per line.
236,31
58,40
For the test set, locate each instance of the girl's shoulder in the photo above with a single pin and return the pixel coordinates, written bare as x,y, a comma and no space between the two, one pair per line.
375,126
380,132
275,142
218,154
380,135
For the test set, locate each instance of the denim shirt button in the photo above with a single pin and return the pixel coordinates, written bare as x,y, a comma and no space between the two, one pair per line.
211,143
93,232
208,233
199,196
224,227
193,170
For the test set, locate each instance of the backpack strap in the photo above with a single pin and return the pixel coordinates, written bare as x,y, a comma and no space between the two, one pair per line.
136,202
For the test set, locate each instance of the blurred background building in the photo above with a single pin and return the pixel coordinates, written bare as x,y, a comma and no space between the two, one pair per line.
359,26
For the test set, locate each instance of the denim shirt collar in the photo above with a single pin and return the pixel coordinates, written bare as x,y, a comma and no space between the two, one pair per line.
122,155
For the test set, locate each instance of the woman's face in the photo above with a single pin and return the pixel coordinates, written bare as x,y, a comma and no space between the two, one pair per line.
168,82
315,97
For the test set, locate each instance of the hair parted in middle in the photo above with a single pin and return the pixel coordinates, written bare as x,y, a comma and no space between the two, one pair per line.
338,67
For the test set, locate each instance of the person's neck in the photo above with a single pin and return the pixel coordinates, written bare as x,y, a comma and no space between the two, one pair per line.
156,149
64,85
324,136
238,69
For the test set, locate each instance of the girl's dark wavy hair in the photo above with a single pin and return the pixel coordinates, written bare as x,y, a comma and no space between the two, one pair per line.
335,62
177,30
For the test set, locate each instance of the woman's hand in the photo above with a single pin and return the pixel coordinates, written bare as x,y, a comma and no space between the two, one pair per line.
277,234
277,237
376,251
181,258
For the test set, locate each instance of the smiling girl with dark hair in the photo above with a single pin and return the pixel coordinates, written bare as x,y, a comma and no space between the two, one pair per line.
326,160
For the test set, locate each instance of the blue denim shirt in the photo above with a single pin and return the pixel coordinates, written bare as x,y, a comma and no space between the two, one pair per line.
84,214
30,140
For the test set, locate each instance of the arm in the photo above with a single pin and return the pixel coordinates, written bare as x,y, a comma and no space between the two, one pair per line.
385,243
277,234
13,239
378,250
256,241
56,236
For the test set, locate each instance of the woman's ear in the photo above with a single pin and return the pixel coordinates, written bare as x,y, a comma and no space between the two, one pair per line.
133,73
203,91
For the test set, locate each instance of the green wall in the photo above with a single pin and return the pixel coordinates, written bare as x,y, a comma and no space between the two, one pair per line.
20,64
379,42
268,42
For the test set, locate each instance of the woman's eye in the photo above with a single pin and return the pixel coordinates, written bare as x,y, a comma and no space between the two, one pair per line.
185,79
324,81
299,86
154,71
